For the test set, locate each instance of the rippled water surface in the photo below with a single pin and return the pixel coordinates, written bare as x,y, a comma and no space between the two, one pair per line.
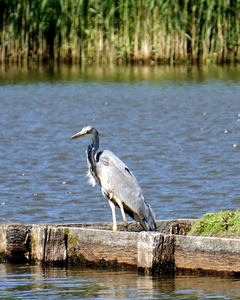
34,282
178,129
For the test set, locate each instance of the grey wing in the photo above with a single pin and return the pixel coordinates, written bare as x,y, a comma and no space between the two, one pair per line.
117,181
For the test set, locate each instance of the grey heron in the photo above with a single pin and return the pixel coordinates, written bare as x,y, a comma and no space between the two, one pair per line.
117,182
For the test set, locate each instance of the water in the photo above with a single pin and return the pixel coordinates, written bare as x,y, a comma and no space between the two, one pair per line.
180,137
34,282
178,129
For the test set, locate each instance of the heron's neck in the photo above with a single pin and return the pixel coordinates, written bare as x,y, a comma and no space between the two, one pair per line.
95,144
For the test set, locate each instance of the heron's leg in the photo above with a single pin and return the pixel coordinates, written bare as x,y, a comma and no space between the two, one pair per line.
112,205
123,213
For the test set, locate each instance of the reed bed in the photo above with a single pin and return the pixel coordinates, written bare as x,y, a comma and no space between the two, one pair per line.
119,31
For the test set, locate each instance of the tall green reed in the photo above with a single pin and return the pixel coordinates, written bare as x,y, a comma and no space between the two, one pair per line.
120,31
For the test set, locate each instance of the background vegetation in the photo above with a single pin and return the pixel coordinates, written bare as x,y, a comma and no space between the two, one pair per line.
121,31
218,224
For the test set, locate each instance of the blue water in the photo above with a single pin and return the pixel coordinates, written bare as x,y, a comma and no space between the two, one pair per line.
34,282
178,129
179,137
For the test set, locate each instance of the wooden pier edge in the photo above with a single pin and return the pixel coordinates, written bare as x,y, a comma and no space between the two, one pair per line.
207,254
165,251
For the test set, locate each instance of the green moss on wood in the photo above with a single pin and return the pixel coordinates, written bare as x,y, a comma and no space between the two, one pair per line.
78,259
218,224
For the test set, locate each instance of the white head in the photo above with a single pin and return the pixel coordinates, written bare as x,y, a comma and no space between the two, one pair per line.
88,131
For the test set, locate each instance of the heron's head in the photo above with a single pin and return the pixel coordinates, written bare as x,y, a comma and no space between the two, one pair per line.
88,131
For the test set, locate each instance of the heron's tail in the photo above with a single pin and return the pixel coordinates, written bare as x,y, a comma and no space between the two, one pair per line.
148,223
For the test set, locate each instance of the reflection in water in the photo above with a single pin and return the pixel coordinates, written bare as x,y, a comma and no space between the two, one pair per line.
34,282
108,73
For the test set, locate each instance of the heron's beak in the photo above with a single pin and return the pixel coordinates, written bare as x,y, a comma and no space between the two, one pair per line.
78,135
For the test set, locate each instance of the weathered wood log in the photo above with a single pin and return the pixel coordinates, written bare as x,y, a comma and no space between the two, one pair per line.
148,251
156,252
48,244
3,242
166,250
16,243
95,246
180,226
90,244
208,254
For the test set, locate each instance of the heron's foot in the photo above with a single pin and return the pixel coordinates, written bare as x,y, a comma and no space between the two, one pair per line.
126,225
114,228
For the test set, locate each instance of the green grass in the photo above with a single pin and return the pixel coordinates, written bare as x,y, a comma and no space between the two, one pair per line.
218,224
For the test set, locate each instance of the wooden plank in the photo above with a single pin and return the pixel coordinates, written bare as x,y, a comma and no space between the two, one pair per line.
208,254
181,226
37,244
155,252
3,242
55,245
99,246
94,243
17,243
144,250
48,244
